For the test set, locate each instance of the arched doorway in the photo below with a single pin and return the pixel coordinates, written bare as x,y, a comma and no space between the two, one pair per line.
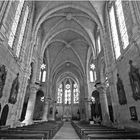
4,115
39,105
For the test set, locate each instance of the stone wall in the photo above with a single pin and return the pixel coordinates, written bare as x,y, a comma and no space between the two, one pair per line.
121,66
13,64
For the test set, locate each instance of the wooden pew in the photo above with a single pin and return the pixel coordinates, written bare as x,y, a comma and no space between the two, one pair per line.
86,131
113,136
21,136
35,131
44,134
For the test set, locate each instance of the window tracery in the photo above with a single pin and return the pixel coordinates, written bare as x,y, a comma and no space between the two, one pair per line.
15,23
75,94
92,73
42,75
114,32
22,30
59,94
71,93
118,26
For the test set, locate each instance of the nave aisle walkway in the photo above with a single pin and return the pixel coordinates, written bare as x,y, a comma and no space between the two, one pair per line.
66,132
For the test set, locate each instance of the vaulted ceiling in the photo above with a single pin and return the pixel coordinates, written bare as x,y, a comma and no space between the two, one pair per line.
67,30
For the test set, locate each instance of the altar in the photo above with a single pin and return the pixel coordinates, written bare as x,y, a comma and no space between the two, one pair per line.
67,113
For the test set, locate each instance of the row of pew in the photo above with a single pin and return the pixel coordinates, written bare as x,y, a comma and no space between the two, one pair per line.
87,131
43,130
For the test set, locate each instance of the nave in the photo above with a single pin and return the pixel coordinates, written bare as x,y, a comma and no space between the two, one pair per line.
66,61
66,132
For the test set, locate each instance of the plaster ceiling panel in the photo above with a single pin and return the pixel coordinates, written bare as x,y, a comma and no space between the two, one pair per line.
65,25
48,24
66,55
54,49
87,5
71,10
69,36
86,22
99,6
81,49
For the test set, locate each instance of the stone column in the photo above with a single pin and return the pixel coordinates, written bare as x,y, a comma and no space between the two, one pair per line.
46,109
31,104
54,109
104,105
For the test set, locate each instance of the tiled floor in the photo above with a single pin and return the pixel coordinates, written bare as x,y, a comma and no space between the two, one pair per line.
66,132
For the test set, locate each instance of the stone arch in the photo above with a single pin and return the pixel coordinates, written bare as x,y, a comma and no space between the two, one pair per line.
43,12
4,115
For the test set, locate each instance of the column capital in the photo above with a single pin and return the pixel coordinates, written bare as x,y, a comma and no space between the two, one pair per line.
34,87
101,88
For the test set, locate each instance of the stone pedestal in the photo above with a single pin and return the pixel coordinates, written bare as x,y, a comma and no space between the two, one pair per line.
31,104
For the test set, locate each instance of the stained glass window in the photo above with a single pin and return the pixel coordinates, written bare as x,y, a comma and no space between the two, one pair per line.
15,23
114,32
99,44
42,75
59,94
91,76
75,94
122,25
92,73
20,39
67,94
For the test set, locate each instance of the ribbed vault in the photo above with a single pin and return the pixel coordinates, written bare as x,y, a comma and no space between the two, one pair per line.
67,30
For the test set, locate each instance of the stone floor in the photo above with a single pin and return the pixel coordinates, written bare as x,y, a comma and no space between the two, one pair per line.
66,132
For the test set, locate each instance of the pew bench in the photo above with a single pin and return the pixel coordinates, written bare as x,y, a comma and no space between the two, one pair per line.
113,136
86,133
21,136
44,133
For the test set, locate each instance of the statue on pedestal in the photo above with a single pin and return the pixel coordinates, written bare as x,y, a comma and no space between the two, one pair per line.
121,91
95,107
134,76
14,90
3,74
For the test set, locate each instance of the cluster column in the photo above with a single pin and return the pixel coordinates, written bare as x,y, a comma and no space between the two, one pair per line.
46,108
31,104
104,105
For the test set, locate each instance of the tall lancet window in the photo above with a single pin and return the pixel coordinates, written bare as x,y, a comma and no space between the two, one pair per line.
67,93
122,25
59,94
114,32
118,27
22,30
15,23
42,75
99,44
75,94
93,76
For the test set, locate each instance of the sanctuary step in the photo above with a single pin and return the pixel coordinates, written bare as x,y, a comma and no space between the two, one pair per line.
88,131
43,130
